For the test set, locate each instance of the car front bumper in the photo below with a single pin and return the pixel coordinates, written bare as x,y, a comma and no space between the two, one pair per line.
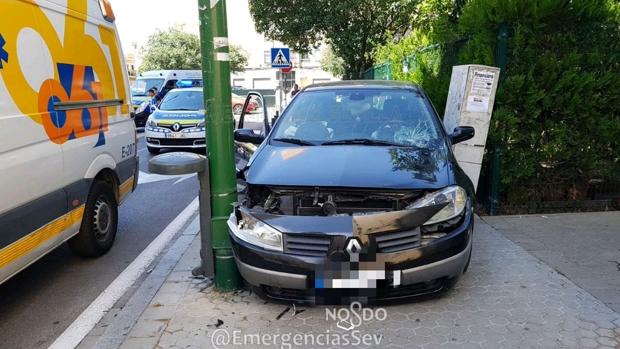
194,140
426,269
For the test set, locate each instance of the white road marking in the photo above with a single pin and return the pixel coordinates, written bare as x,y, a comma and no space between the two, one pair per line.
145,177
84,323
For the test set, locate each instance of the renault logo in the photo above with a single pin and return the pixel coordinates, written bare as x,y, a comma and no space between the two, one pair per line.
176,127
354,247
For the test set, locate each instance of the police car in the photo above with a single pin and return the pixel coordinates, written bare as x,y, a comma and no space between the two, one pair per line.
163,81
179,122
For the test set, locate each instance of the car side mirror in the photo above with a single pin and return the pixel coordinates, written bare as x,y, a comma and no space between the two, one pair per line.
462,133
247,135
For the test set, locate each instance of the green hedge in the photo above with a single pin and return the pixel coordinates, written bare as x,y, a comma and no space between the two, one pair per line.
557,112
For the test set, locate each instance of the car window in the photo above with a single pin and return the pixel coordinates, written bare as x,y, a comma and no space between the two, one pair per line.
141,86
183,100
397,116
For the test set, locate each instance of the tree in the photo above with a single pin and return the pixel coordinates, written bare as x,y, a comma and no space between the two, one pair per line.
556,117
332,63
238,59
174,48
353,28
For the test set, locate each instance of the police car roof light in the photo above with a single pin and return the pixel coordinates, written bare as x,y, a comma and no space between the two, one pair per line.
185,83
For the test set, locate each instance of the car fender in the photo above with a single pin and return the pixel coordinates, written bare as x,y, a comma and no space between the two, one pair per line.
101,162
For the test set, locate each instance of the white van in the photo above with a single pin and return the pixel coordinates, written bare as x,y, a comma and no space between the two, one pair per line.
67,142
162,80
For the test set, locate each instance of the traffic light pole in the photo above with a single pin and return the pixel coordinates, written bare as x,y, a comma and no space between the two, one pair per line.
220,143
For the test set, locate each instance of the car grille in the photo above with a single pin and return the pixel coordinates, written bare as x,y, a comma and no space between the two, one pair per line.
182,127
307,245
398,241
328,296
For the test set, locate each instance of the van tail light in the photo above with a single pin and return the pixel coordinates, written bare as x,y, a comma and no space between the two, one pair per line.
106,9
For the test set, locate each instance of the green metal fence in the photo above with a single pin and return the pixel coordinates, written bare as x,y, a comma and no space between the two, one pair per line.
379,72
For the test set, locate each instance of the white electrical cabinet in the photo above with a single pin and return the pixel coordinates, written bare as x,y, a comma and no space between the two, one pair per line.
470,103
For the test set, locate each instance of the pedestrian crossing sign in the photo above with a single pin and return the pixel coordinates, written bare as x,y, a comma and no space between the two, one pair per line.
280,57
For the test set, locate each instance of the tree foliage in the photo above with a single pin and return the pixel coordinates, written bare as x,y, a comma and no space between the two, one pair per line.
175,48
238,58
332,63
557,112
353,28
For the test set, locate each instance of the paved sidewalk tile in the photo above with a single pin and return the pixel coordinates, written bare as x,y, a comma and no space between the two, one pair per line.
583,246
508,299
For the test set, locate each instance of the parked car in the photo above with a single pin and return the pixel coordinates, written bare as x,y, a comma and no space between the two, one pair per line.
353,193
68,150
178,122
163,81
238,102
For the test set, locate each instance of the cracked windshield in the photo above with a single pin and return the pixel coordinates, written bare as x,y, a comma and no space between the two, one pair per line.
322,117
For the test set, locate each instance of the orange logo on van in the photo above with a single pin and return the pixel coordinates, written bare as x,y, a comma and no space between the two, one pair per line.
77,84
76,61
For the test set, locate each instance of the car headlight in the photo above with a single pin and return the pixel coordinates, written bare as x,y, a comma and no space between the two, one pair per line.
255,232
454,196
201,124
151,123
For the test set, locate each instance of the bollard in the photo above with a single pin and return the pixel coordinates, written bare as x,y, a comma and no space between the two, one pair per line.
182,163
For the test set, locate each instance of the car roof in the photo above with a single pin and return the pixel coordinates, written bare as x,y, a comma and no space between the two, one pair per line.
189,89
369,84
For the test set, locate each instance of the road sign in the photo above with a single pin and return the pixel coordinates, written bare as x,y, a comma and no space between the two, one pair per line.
287,69
280,57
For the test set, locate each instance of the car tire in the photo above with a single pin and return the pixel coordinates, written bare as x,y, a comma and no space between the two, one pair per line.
237,109
152,150
99,223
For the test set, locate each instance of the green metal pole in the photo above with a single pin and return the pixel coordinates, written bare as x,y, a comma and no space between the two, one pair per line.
501,60
219,123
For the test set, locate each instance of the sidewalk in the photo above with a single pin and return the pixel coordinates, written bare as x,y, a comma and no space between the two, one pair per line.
585,247
508,298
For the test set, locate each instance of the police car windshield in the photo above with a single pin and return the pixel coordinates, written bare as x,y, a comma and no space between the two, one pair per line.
141,87
182,100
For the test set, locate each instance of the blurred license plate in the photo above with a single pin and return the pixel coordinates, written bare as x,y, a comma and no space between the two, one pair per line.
357,279
176,135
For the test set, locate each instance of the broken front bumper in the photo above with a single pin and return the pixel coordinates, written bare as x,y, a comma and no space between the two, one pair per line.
297,273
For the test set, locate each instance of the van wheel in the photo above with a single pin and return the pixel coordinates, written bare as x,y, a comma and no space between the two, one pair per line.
99,223
237,108
153,150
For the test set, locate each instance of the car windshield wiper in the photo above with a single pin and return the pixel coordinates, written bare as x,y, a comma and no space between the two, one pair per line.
293,141
367,141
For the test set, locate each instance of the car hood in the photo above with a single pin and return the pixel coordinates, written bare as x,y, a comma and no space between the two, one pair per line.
349,166
180,116
137,100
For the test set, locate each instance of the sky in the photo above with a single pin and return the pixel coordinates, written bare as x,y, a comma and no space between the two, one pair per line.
137,19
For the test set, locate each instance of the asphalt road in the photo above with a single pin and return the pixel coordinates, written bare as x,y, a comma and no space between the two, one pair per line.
39,303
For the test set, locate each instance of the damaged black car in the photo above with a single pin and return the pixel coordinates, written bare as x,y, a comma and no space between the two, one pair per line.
354,194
